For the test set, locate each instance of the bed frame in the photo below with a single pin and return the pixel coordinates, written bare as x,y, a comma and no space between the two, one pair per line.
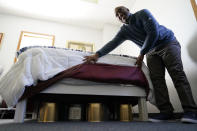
107,90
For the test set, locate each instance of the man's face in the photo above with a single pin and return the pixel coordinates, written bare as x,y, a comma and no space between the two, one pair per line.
123,16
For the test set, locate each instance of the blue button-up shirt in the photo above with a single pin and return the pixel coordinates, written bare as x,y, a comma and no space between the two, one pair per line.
143,30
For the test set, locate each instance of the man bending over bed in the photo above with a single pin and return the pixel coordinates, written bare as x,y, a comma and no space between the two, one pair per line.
162,50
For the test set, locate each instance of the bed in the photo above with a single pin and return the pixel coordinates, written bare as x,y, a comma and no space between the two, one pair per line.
44,63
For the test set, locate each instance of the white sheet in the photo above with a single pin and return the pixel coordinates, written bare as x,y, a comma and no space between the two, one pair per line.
43,63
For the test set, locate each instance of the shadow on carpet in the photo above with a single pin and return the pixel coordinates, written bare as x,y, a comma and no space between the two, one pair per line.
98,126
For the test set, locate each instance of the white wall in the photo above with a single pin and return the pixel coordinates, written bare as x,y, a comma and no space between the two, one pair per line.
178,16
109,31
12,26
126,48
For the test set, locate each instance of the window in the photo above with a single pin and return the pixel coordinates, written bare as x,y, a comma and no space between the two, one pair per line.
80,46
34,39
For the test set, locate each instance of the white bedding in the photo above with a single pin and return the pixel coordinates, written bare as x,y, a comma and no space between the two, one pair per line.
43,63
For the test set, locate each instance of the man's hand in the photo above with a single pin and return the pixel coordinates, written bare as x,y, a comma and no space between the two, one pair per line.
139,61
91,59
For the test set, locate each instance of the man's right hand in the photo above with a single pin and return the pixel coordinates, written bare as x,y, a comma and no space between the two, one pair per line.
91,59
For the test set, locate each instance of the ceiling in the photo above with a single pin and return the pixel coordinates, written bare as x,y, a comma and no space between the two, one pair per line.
75,12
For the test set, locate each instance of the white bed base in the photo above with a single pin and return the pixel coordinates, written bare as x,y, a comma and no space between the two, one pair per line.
107,90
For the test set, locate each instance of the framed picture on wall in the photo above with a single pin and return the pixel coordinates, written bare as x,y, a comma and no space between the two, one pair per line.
80,46
1,37
194,6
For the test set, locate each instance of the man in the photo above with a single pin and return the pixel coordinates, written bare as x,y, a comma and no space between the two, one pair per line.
162,51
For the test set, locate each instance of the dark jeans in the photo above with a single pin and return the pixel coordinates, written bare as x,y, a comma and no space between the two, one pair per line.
169,56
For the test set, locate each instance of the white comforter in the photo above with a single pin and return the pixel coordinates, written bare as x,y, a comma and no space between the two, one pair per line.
44,63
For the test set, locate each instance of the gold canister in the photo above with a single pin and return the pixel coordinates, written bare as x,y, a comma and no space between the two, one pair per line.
95,112
126,112
48,112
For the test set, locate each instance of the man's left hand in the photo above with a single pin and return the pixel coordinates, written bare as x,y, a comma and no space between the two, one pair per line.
139,60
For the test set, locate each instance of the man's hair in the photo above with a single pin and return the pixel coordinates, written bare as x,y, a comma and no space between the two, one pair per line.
120,9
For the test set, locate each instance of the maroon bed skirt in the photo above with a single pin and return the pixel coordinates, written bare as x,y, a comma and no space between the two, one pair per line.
94,72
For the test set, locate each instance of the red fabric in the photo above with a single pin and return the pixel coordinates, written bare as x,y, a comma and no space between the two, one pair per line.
112,74
94,72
